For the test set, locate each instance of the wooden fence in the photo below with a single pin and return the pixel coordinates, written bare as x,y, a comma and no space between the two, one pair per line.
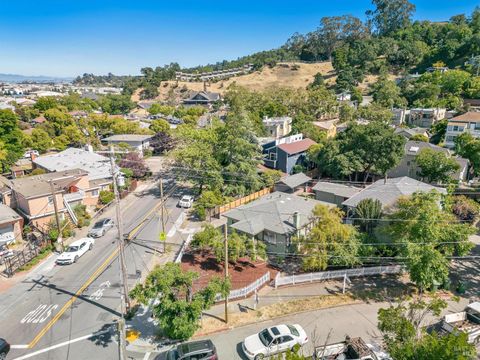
218,210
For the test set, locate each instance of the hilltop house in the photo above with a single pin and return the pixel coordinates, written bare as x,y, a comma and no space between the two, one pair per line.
468,122
388,192
33,197
204,98
408,166
274,219
408,133
329,127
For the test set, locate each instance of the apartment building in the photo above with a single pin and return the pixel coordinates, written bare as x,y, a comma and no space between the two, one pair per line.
468,122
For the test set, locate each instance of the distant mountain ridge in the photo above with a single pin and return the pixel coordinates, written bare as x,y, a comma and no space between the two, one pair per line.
15,78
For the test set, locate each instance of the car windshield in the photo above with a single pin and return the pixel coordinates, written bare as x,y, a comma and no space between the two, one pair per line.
293,330
98,225
265,337
72,249
172,355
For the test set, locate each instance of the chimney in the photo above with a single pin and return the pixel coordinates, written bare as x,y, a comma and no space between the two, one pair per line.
296,220
33,156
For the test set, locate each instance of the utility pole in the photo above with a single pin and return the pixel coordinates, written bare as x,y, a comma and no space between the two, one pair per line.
125,301
226,270
57,215
162,209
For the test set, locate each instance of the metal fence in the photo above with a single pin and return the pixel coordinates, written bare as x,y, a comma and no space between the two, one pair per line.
337,274
20,258
247,290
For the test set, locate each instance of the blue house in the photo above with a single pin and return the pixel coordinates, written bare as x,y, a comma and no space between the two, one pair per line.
283,154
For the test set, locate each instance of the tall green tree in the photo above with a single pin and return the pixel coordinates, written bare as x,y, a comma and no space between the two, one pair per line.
390,15
178,308
436,166
330,242
428,236
12,138
469,147
368,212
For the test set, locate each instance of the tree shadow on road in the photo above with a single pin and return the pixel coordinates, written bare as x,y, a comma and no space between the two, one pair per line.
105,337
466,271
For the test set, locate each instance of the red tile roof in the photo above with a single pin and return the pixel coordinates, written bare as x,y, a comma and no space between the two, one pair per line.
297,146
39,120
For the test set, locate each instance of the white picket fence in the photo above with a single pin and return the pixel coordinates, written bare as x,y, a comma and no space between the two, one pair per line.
247,290
337,274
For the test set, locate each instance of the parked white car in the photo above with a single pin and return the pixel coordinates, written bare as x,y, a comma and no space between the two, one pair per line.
27,154
186,201
75,251
273,340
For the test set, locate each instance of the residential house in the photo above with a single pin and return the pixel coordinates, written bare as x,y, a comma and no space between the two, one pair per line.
408,133
33,196
465,123
137,142
334,193
11,225
388,191
38,120
400,116
283,154
328,127
408,166
202,98
97,166
22,167
425,118
278,127
473,104
274,219
293,183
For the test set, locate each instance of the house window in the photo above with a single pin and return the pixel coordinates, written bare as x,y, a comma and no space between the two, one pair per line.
50,200
95,192
408,163
455,128
477,126
269,237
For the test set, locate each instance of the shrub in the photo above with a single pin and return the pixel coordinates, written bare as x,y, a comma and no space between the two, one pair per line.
37,172
127,172
465,208
106,197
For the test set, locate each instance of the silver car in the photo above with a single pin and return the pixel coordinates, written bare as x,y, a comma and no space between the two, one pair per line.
101,227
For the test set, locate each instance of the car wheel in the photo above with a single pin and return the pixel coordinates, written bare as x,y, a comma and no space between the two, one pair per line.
259,357
103,232
75,259
90,247
3,356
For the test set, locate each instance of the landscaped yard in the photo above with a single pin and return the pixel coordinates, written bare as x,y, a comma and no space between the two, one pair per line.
242,273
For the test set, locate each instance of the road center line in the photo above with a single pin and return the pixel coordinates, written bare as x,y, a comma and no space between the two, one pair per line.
69,303
57,345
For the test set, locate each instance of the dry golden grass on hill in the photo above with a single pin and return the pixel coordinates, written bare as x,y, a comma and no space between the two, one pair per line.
290,75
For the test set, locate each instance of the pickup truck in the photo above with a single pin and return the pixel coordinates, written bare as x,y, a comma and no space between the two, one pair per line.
350,349
467,321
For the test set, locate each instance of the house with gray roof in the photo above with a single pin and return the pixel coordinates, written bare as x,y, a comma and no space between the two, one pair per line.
334,193
292,183
408,166
202,98
135,141
408,133
274,219
388,191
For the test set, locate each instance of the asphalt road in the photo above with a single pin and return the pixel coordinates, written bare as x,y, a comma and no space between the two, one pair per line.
54,307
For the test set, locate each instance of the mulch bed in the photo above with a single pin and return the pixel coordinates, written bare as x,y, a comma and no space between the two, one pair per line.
242,273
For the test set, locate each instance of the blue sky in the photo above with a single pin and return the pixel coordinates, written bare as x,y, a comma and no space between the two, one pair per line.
67,38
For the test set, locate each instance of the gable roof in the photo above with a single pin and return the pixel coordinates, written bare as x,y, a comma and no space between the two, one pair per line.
388,192
414,147
297,146
468,116
273,212
39,185
206,95
97,166
342,190
411,131
326,125
292,181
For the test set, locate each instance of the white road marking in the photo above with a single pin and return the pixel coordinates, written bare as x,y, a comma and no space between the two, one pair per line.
60,345
19,346
147,355
97,295
39,315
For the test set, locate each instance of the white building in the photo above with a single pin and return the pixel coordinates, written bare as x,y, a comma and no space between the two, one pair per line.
137,142
278,127
468,122
426,117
